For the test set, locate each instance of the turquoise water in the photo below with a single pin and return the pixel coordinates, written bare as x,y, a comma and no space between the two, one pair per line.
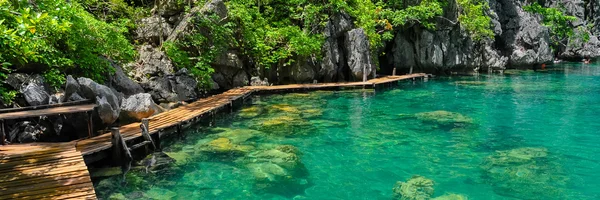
522,135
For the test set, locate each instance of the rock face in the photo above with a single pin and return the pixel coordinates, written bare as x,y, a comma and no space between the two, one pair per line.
138,106
152,63
523,37
107,100
356,46
156,74
333,62
151,29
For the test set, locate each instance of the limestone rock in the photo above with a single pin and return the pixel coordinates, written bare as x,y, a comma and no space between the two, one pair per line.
71,88
138,106
152,62
122,83
33,87
149,29
107,100
185,86
357,47
331,67
108,114
255,81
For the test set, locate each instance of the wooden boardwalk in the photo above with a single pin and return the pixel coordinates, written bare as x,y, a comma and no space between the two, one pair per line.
191,112
44,171
58,171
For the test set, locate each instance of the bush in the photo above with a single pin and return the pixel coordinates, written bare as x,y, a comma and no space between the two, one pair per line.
58,37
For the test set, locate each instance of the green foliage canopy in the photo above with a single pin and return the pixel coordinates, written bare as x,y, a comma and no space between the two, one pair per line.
555,20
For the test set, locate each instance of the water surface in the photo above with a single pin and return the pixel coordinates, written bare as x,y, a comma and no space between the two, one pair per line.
521,135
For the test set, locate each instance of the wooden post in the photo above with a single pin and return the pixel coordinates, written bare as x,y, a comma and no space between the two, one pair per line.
120,151
145,132
90,124
157,140
394,72
2,132
411,70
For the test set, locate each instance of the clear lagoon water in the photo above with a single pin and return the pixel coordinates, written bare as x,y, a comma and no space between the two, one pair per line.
521,135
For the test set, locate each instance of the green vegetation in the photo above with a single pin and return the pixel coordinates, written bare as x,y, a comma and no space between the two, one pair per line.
208,39
473,19
556,21
56,36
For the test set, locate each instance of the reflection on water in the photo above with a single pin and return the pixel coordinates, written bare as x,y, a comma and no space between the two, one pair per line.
521,135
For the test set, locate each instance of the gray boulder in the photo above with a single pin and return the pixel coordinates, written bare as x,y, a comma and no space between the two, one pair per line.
185,86
107,100
357,46
229,71
35,94
122,83
240,79
25,132
71,88
255,81
302,71
160,89
107,113
138,106
173,87
33,87
149,29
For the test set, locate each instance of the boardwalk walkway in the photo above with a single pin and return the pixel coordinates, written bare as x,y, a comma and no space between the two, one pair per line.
58,171
44,171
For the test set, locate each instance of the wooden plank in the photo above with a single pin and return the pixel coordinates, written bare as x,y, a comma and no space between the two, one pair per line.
42,170
52,193
40,185
32,156
60,176
24,164
70,103
48,111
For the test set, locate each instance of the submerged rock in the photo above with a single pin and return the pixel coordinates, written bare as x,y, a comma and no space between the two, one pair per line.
443,117
416,188
157,161
525,173
277,169
451,197
224,146
474,83
250,112
285,125
237,135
